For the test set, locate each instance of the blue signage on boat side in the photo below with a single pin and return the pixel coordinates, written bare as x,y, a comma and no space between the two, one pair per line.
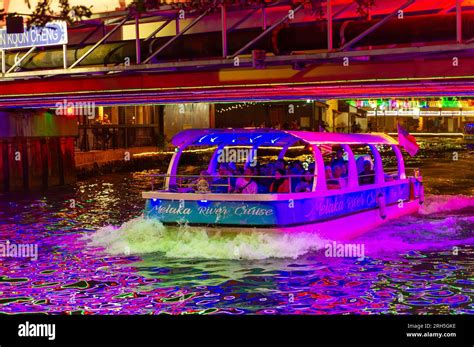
272,213
50,35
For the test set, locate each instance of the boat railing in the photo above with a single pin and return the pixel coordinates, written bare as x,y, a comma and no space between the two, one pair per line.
190,183
217,183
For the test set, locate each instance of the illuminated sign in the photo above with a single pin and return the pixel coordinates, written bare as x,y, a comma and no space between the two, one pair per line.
450,113
51,35
430,113
468,112
446,102
408,113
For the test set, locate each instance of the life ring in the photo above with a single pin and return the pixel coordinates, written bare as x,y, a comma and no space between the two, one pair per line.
382,205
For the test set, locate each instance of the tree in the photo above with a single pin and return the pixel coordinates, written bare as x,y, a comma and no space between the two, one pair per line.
364,7
42,13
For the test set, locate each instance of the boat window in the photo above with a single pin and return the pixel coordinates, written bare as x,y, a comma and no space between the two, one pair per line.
365,164
192,172
300,167
335,165
469,128
389,162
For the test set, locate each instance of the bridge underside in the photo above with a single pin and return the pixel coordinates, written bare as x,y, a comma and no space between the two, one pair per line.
428,53
317,81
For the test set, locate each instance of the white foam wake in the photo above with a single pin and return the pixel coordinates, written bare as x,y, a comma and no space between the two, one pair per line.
441,203
440,225
142,235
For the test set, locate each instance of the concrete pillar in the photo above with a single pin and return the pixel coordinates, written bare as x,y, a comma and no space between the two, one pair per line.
36,151
15,159
69,163
4,167
212,115
331,113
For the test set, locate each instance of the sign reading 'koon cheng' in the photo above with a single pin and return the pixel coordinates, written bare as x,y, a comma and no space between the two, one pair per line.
50,35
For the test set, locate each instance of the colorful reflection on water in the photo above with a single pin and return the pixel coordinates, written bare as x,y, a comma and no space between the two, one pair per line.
419,264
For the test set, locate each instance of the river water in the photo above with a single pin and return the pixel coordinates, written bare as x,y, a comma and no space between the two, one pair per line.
96,255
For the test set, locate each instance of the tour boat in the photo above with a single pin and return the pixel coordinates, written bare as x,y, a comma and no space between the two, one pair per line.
468,134
343,212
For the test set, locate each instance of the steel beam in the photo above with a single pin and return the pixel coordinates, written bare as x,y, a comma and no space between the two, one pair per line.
162,26
246,62
242,20
224,30
4,63
446,9
376,26
174,38
138,50
266,32
329,21
88,36
101,41
145,17
458,21
64,57
264,17
342,10
18,63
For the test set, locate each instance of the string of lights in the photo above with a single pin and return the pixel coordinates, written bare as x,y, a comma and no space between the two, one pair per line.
246,105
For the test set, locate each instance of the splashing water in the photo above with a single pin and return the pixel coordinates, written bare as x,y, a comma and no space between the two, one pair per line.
83,265
444,203
143,235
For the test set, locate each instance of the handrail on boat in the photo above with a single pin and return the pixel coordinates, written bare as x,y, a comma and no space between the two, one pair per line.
389,176
224,176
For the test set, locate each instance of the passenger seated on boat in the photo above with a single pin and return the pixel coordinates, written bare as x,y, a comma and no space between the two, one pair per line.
246,185
280,184
280,164
305,184
345,170
222,183
296,170
264,182
232,170
337,174
367,176
201,185
360,163
330,181
297,166
339,159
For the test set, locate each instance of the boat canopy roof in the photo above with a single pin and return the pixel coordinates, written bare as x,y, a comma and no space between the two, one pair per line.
271,137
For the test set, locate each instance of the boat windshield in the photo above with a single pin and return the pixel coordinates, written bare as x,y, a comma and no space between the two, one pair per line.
247,170
469,129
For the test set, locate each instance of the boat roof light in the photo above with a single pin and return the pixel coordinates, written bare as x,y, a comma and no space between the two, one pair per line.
272,137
